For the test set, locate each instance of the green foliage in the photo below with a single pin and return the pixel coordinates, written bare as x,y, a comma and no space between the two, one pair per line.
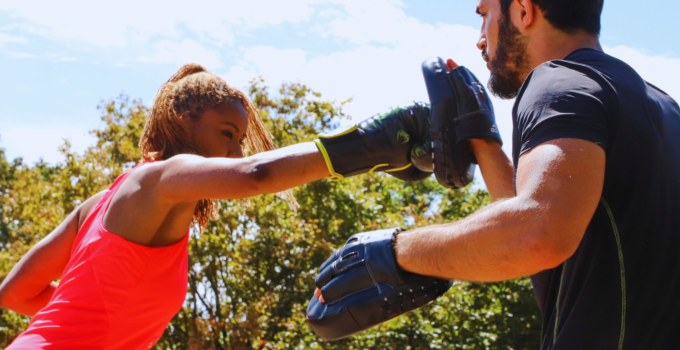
252,269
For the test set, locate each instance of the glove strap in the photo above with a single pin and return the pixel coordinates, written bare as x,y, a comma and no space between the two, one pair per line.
479,124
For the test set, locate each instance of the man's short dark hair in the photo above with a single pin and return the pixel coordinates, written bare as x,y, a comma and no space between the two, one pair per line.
568,15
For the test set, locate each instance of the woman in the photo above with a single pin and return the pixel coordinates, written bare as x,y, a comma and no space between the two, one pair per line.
122,255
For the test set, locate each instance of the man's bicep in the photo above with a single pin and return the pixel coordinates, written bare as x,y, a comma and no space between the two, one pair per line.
565,177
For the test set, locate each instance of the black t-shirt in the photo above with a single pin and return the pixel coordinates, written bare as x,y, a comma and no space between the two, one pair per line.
621,289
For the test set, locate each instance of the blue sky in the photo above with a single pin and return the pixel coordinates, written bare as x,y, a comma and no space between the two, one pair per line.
58,59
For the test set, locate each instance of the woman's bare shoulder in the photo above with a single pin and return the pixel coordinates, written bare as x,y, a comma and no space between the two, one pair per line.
84,210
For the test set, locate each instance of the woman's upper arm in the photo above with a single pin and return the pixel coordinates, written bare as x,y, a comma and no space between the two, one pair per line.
191,178
188,178
46,261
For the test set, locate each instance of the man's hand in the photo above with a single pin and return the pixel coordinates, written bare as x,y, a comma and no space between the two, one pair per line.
451,65
461,110
317,293
494,164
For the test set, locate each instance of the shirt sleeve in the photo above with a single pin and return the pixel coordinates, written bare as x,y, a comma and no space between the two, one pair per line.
562,100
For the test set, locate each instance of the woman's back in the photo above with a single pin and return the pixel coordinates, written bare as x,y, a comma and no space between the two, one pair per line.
113,294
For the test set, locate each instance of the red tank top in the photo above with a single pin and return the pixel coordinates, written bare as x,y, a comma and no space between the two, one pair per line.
113,294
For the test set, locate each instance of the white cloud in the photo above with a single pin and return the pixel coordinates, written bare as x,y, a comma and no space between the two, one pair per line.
131,21
376,77
6,38
659,70
19,54
379,21
187,51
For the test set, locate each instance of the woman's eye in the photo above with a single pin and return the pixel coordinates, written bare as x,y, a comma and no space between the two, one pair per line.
228,134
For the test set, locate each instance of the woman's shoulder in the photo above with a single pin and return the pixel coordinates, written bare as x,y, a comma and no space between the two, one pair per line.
85,209
154,170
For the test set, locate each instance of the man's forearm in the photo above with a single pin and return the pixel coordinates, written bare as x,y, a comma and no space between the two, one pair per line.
559,185
491,245
500,242
495,167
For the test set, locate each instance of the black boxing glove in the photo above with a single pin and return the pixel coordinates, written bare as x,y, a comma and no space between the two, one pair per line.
363,286
381,143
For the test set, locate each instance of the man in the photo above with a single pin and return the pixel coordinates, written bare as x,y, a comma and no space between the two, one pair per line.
590,205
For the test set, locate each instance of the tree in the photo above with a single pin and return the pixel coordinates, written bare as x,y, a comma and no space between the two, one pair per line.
252,269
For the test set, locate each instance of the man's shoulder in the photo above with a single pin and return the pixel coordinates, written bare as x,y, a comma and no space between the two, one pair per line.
561,76
563,81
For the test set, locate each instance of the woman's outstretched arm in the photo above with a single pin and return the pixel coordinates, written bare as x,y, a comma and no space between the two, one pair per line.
190,178
30,284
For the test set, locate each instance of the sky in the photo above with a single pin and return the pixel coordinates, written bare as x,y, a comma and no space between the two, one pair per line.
60,59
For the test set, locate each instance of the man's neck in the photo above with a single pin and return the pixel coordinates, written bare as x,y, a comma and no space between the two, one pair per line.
556,45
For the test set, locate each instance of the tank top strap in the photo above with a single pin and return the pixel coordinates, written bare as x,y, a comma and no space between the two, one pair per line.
96,215
108,196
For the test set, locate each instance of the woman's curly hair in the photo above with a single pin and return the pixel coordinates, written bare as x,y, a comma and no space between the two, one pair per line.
188,93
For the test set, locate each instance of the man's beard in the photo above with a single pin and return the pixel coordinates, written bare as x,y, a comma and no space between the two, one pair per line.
509,61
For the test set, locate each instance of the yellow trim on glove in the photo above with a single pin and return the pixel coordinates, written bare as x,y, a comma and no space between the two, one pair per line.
334,176
390,170
338,132
376,167
399,169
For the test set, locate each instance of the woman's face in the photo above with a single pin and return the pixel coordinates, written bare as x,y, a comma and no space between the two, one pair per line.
220,132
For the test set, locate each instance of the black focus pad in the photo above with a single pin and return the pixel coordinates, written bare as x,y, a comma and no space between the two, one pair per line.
460,110
475,118
367,287
343,259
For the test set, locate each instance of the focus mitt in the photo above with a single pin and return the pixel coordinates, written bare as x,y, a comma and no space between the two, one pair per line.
460,110
363,286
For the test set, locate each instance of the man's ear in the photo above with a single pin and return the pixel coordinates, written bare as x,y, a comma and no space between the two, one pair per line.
522,13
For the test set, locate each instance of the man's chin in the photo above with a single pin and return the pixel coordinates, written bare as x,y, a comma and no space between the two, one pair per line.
502,88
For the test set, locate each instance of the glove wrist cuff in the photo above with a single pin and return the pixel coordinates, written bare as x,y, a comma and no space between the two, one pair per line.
347,155
334,176
395,234
479,124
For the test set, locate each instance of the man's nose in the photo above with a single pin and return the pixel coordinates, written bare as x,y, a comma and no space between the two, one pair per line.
481,44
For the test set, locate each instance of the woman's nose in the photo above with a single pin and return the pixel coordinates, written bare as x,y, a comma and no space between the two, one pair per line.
237,153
